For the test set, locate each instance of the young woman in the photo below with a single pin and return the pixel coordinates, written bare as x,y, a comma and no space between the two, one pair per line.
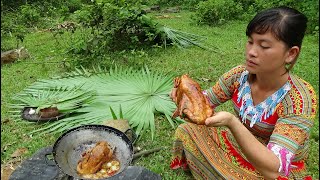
275,110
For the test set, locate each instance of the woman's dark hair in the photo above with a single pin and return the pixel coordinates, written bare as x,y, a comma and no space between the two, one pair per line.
286,24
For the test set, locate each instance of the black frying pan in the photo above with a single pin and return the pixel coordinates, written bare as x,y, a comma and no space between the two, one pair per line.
69,147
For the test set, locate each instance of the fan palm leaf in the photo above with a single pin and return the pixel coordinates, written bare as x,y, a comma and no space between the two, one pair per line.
140,93
182,39
176,37
65,100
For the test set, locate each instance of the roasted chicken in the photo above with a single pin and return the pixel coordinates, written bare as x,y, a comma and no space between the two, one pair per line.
191,103
93,159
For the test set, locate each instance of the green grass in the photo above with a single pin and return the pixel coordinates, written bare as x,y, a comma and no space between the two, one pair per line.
229,40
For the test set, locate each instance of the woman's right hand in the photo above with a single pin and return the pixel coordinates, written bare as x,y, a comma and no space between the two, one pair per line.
222,118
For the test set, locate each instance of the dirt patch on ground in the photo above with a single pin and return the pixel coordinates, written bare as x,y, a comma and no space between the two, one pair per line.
9,167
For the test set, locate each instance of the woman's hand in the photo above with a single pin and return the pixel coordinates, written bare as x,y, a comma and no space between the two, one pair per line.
221,118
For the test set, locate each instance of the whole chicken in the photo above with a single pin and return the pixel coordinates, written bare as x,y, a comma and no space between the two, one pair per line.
190,101
94,158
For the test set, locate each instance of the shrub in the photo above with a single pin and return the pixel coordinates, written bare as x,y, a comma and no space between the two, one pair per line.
11,27
185,4
115,26
218,11
29,15
213,12
309,8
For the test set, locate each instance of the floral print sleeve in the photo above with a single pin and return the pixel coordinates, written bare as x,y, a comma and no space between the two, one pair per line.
224,87
284,156
289,140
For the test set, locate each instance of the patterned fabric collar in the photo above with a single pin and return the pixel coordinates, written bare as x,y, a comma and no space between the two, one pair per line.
265,108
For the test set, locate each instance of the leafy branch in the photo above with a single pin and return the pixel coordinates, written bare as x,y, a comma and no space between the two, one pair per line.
140,93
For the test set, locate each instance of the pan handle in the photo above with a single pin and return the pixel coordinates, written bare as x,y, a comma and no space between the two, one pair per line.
134,136
49,159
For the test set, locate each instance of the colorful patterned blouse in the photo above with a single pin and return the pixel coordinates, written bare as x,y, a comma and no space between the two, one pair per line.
282,122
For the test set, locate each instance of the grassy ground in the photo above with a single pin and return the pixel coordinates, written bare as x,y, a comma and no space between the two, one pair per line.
47,55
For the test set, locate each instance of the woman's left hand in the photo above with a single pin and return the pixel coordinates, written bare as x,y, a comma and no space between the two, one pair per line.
221,118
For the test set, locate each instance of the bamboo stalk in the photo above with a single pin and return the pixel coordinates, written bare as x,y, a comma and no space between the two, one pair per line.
146,152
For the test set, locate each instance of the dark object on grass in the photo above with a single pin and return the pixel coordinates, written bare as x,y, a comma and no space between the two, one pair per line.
172,10
49,112
36,118
13,55
151,9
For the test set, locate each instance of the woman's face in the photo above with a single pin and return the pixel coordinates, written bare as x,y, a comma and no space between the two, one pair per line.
265,54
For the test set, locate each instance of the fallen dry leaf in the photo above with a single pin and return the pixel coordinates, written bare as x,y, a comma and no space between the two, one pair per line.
19,152
6,172
13,162
204,79
26,137
5,147
5,121
9,167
